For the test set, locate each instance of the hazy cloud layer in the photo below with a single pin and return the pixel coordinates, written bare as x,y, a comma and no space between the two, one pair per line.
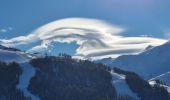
96,38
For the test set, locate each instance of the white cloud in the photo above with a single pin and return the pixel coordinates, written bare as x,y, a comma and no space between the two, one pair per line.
96,38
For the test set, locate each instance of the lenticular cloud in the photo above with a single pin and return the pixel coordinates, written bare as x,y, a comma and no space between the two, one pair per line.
96,38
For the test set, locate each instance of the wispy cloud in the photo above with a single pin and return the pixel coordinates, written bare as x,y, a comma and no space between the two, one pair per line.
96,38
4,30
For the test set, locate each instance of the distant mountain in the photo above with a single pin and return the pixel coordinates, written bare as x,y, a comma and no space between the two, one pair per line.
106,61
148,64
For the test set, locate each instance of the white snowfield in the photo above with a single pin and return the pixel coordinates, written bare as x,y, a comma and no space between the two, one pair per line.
121,86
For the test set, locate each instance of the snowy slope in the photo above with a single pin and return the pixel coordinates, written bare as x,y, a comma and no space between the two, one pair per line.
123,89
24,80
10,56
118,80
116,77
148,64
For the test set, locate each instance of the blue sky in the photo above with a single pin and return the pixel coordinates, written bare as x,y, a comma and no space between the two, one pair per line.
139,17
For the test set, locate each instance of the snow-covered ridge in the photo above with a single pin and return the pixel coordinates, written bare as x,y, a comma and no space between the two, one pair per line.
152,83
165,77
148,64
17,56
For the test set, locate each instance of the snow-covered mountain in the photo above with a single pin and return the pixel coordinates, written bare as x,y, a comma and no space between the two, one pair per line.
148,64
11,54
28,72
152,64
165,77
56,70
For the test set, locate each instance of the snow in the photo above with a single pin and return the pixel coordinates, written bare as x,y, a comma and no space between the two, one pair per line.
116,77
28,71
123,89
118,80
165,77
152,83
24,80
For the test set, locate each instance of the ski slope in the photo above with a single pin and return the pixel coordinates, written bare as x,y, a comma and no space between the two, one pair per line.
27,70
24,80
